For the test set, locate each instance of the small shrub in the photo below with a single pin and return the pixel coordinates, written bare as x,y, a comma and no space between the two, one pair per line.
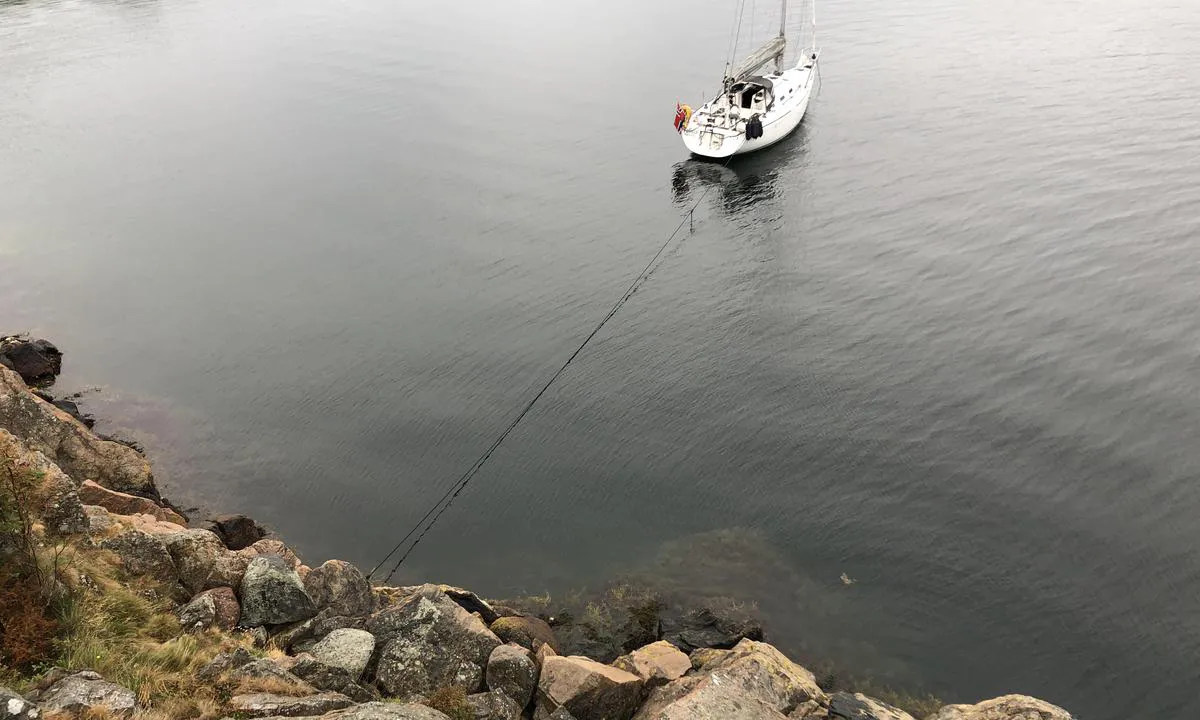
452,702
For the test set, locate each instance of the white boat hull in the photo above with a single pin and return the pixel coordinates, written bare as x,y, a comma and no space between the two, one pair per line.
711,137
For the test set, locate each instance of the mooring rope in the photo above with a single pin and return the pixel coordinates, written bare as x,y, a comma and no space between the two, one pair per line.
445,501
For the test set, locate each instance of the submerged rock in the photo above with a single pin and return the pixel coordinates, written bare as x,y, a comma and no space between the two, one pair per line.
704,628
430,642
340,588
346,648
586,689
511,670
36,361
1008,707
272,593
69,444
754,681
856,706
81,692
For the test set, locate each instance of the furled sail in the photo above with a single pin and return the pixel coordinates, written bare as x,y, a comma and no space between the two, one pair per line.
760,57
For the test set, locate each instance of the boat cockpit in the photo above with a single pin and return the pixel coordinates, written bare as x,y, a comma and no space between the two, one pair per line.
753,94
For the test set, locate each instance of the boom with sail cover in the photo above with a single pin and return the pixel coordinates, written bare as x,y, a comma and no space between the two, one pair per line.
773,49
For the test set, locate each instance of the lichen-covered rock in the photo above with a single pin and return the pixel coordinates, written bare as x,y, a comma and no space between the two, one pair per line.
199,614
225,603
327,677
68,443
272,593
223,663
261,705
704,656
346,648
656,664
856,706
754,681
77,693
511,670
529,632
236,531
493,705
1008,707
340,588
36,361
143,554
15,707
270,546
269,669
126,504
430,642
388,711
586,689
60,509
303,636
203,560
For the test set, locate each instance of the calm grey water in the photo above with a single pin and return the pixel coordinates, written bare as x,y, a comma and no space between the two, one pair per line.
945,339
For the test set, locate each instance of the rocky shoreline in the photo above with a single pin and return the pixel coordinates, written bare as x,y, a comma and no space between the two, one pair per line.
215,619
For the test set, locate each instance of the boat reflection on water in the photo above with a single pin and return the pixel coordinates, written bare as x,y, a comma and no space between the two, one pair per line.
741,183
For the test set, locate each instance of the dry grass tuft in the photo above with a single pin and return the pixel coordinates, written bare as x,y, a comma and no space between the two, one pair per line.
273,685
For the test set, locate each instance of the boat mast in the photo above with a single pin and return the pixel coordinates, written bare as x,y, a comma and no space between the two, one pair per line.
782,34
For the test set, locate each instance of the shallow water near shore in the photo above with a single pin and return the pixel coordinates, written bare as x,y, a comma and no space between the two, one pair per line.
944,339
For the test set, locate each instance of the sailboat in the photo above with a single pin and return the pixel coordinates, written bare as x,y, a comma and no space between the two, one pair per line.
753,111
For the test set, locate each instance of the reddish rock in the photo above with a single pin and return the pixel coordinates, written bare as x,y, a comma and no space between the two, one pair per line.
228,609
124,504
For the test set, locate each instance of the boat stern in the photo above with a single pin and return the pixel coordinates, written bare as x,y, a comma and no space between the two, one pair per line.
712,141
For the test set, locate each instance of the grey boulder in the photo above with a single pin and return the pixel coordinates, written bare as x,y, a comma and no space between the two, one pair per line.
77,693
511,670
389,711
199,614
493,705
430,642
260,705
143,554
346,648
203,560
15,707
334,679
272,593
340,588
